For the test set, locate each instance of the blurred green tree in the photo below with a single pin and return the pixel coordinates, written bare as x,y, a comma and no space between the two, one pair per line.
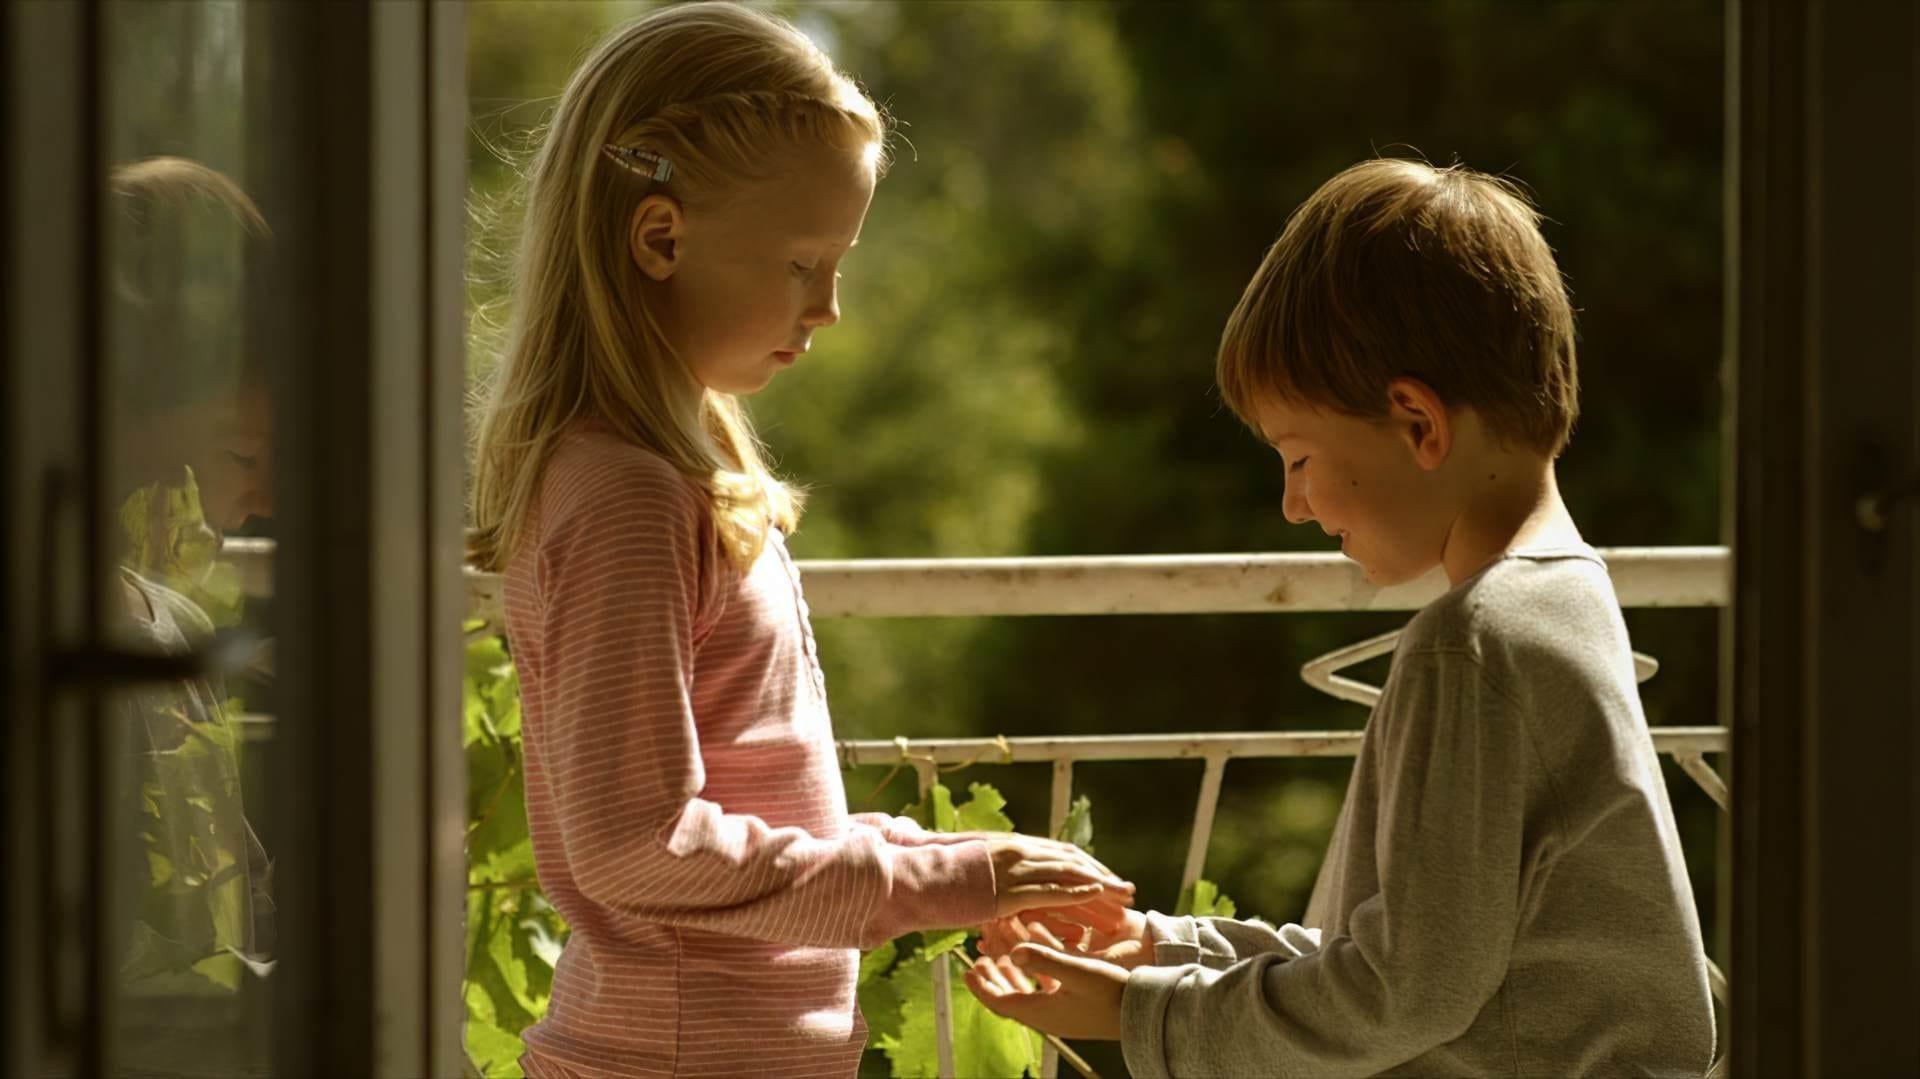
1079,193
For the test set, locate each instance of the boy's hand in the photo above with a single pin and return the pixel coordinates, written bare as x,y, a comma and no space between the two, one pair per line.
1031,873
1110,933
1076,997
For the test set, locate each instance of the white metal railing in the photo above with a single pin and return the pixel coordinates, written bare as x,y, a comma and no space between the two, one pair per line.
1152,584
1170,584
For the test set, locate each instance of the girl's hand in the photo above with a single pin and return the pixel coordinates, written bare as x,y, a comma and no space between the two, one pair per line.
1059,846
1031,873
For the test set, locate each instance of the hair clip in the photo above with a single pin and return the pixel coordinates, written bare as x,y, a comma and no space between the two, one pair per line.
643,162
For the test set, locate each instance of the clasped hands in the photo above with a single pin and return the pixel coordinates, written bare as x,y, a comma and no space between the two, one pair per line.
1060,964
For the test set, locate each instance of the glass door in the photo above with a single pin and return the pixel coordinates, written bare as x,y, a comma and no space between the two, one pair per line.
232,424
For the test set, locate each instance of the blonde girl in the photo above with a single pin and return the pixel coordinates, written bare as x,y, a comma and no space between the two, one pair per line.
703,176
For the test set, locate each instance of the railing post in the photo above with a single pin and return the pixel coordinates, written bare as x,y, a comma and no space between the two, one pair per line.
1703,774
1062,802
1203,820
929,774
1062,796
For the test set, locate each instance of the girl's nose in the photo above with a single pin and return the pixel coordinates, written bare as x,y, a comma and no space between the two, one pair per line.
825,310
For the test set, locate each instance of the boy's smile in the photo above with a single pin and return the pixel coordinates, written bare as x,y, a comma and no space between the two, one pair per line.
1364,482
1420,486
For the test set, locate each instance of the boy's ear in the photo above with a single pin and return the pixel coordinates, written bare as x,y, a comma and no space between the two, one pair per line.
657,236
1422,420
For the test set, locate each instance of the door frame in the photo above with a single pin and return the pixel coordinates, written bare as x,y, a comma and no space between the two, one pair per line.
357,148
1824,361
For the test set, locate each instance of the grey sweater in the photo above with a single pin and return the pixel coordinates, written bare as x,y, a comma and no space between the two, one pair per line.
1504,892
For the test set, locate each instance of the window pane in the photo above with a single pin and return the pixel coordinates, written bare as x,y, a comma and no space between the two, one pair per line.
189,454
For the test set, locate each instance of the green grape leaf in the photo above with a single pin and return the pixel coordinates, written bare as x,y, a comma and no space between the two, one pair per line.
1204,900
479,926
476,726
222,970
496,809
982,812
490,692
537,944
504,709
880,1006
514,862
494,1052
983,1043
878,961
934,811
934,945
511,967
499,848
494,970
1077,829
487,659
908,980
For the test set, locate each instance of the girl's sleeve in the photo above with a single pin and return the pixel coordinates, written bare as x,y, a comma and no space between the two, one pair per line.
905,831
621,589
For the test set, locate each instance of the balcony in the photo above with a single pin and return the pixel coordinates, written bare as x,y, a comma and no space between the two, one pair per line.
1278,584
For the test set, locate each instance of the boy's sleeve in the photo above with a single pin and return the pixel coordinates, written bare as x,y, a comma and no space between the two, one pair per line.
620,593
1420,958
1219,943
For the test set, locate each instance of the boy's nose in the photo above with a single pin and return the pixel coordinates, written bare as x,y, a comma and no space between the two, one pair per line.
1294,505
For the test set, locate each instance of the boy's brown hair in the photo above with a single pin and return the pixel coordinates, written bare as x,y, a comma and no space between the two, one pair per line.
1399,269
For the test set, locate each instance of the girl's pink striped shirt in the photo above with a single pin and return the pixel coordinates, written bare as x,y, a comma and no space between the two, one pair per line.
684,795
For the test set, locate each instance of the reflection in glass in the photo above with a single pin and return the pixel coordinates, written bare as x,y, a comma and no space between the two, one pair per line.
190,450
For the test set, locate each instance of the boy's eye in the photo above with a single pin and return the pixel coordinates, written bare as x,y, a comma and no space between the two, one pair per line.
242,459
801,270
1295,466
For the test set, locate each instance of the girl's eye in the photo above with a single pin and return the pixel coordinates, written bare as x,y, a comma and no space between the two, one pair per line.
801,270
1297,465
243,460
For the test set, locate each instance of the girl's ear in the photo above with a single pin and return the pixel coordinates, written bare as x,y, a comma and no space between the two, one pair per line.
657,237
1422,420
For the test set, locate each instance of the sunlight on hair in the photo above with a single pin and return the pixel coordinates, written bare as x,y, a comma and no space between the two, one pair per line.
708,87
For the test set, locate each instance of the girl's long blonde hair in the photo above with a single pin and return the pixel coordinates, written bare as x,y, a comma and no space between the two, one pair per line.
721,92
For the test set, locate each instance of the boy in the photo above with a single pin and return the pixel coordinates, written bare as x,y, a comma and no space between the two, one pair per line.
1504,893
